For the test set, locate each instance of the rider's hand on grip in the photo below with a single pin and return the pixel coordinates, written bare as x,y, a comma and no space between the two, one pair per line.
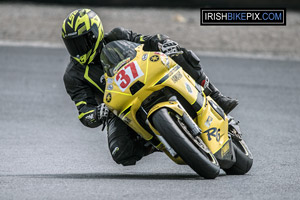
170,48
102,114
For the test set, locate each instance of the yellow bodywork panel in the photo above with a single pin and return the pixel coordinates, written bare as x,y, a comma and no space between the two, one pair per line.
155,71
214,127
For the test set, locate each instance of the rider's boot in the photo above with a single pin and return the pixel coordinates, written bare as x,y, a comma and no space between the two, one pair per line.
226,103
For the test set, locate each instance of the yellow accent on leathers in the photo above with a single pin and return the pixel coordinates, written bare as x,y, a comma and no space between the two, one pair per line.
80,103
86,76
83,114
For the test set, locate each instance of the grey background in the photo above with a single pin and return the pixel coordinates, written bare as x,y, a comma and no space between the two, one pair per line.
41,25
291,4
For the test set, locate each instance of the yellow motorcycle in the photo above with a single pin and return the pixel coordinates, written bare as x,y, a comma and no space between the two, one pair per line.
166,107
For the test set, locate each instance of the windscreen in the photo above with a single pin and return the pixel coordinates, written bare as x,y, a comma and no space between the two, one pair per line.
115,52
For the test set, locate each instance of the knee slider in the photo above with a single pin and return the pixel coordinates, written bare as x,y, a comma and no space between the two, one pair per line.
123,151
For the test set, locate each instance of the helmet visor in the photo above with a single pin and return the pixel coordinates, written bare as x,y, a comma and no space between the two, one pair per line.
80,45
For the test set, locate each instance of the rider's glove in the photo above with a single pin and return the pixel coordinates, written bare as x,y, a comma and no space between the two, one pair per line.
170,48
102,114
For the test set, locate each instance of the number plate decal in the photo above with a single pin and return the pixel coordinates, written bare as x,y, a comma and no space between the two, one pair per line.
128,75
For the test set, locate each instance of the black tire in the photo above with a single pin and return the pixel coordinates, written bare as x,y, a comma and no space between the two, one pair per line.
193,157
244,159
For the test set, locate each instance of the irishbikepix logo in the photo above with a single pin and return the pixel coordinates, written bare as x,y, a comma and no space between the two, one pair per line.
212,16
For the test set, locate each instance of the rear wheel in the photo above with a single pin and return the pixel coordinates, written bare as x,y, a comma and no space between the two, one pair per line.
196,156
244,159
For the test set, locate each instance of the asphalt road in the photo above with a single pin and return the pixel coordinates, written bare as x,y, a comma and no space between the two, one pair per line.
45,152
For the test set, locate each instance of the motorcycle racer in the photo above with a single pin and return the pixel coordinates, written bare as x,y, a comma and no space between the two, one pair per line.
84,38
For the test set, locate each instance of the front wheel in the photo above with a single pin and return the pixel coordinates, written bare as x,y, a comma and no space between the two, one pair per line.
166,125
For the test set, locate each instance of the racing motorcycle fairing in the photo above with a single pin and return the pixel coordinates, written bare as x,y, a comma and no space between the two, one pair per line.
145,82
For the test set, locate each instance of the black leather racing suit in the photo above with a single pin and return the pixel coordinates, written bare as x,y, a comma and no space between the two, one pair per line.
85,85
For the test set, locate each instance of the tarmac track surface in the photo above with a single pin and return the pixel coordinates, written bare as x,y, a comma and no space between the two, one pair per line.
45,152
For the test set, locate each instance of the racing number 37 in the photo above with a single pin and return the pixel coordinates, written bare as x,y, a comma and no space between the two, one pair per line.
127,75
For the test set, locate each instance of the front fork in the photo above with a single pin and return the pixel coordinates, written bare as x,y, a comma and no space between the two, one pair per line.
193,130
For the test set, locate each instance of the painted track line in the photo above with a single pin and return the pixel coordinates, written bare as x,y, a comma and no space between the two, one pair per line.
262,56
31,44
